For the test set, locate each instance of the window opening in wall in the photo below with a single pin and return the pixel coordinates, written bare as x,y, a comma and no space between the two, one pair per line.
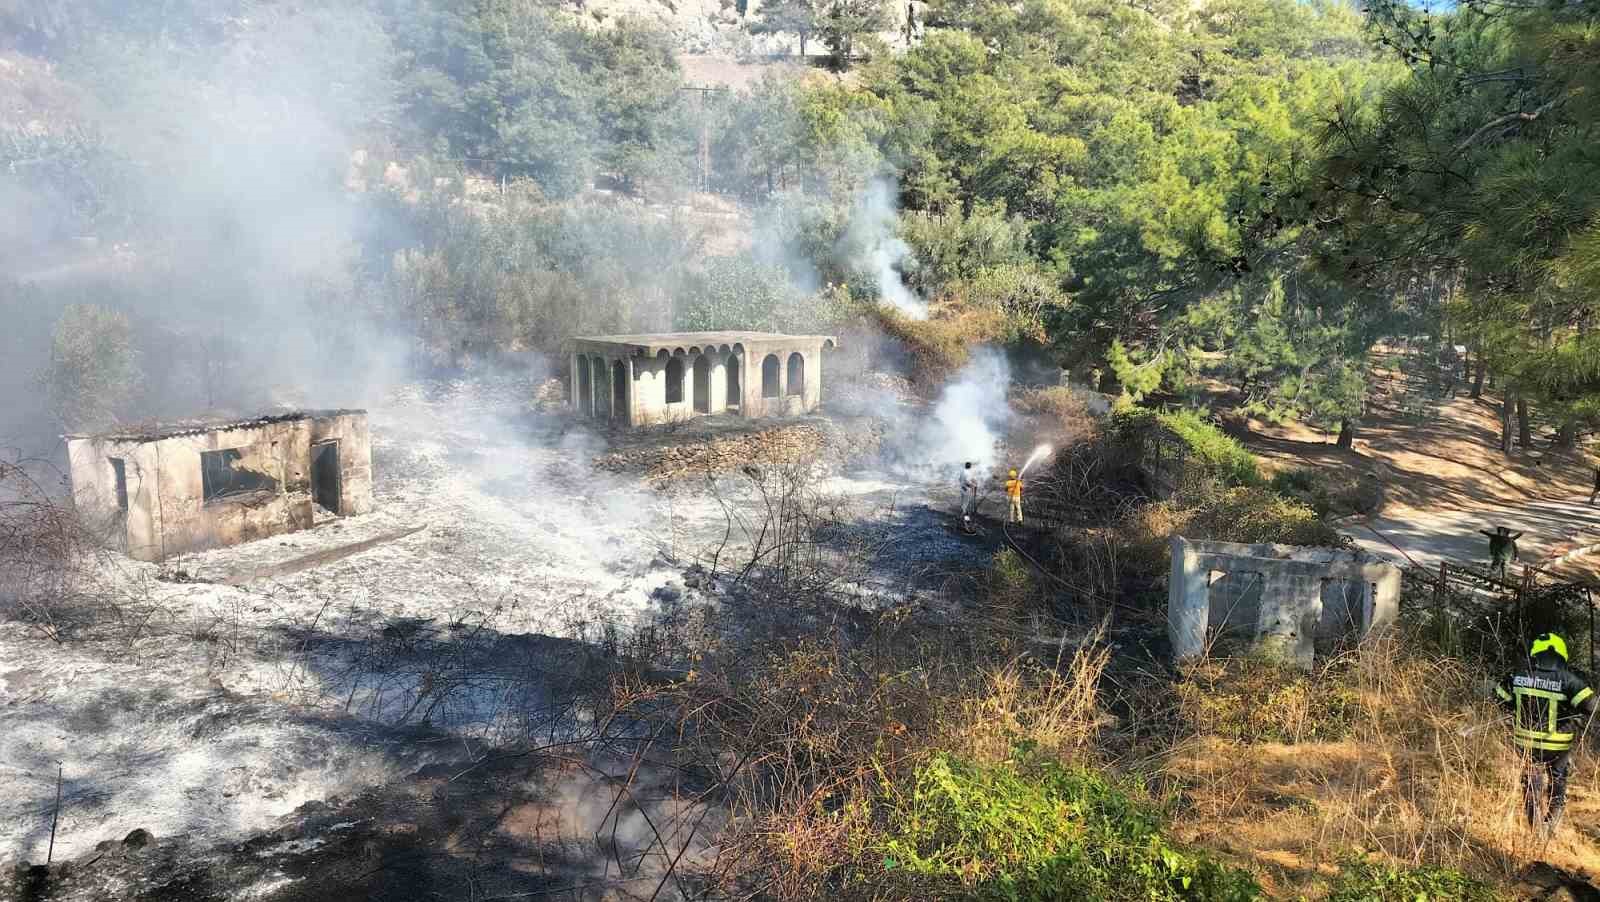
120,468
769,376
221,475
797,374
675,381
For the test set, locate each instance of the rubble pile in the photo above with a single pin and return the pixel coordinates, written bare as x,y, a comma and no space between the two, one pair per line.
550,396
869,394
814,441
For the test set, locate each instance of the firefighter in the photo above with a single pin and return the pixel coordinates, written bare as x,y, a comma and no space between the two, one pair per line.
1502,548
1549,701
1014,492
969,492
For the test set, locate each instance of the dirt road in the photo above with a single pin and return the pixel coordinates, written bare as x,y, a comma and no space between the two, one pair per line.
1550,530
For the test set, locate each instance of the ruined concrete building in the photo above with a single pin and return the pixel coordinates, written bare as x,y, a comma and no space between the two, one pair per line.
163,490
1284,601
643,379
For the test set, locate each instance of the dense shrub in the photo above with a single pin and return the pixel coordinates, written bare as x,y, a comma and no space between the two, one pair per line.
937,347
1251,700
1023,831
94,367
1364,879
1251,514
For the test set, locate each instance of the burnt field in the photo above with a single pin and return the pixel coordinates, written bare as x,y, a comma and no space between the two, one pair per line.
515,568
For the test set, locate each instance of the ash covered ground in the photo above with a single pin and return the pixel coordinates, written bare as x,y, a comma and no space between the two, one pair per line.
209,710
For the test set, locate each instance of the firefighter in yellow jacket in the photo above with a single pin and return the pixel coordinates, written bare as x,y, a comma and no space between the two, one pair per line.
1014,492
1550,701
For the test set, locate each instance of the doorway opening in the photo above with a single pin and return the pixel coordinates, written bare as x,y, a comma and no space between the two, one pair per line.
325,486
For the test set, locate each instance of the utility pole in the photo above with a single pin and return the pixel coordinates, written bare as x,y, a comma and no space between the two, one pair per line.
705,133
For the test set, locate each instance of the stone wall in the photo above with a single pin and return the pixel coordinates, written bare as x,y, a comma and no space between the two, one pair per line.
167,511
1281,600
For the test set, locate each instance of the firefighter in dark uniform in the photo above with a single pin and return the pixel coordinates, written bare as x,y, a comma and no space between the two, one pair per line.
1549,701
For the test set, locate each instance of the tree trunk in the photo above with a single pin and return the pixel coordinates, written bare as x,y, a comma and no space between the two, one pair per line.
1508,406
1567,435
1524,433
1477,379
1347,434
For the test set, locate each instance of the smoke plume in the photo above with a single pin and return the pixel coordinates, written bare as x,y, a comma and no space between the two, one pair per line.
878,249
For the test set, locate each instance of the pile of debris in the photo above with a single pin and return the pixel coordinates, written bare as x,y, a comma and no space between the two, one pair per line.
819,441
550,396
869,394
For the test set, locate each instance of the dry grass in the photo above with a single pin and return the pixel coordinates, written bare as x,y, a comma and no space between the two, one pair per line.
814,744
1424,776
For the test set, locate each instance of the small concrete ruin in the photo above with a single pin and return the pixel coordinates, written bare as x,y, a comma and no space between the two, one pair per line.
668,377
163,490
1279,600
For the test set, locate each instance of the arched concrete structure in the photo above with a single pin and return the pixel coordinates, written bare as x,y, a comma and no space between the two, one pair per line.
601,377
619,392
702,384
795,377
640,379
585,385
674,374
771,377
734,385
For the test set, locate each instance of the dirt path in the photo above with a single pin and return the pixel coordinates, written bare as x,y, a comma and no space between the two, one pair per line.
1444,477
1550,529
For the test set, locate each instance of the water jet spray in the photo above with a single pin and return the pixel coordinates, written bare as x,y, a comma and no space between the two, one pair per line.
1039,453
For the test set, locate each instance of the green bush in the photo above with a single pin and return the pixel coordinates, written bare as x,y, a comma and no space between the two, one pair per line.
1253,515
1251,700
1218,452
1021,831
1363,880
1209,451
94,369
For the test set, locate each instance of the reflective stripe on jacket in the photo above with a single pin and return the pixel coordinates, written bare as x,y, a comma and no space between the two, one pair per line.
1547,698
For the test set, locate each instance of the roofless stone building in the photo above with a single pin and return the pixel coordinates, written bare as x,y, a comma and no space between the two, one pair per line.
671,376
159,490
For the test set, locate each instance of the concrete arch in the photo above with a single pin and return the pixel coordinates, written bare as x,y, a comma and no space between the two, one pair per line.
795,384
674,373
735,383
771,377
619,391
702,384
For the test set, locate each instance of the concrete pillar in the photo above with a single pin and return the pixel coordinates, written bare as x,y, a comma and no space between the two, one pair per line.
572,387
717,390
629,395
749,385
1188,602
1383,598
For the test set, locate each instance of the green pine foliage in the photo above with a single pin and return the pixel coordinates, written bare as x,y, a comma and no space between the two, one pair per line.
1216,454
1479,164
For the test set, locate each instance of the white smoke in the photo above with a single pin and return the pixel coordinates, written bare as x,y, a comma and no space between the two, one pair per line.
964,424
877,247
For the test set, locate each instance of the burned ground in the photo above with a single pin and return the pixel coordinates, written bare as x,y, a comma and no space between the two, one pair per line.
501,585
